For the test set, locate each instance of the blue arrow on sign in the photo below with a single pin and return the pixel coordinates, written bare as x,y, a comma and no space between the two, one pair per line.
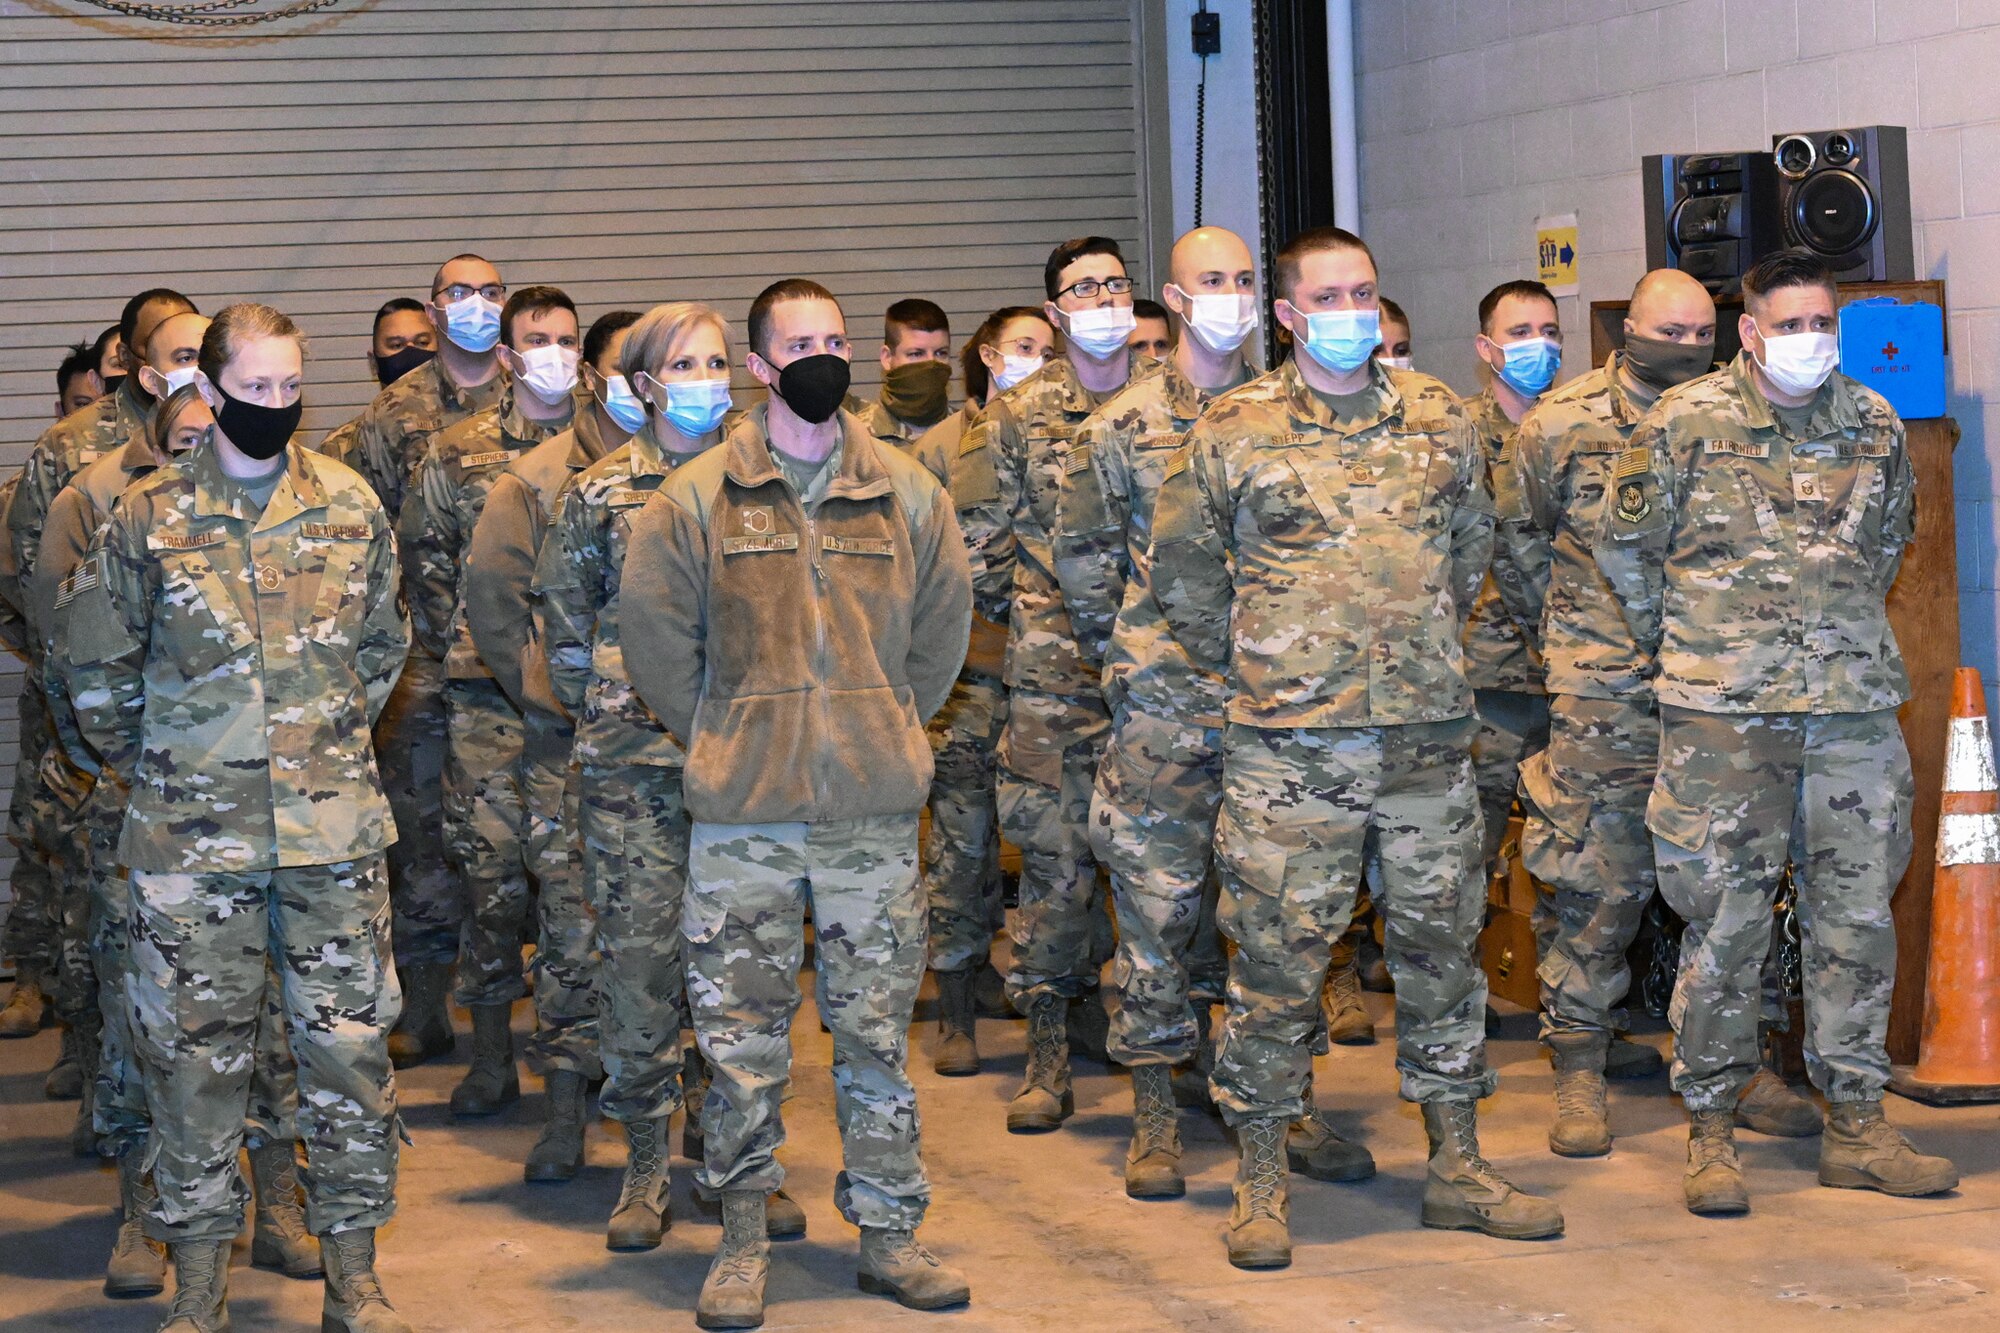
1567,254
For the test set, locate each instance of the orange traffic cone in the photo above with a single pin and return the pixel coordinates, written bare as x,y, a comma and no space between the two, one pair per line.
1959,1060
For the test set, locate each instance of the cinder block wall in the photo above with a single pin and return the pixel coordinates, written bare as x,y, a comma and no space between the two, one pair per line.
1477,115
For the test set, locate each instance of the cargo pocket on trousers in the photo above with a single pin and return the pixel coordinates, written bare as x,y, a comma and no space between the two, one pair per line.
1673,821
1562,806
1251,912
1028,799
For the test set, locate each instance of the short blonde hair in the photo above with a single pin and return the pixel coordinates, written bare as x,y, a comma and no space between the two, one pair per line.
235,326
662,329
160,421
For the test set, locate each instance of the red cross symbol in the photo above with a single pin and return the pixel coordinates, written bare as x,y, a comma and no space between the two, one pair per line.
1889,350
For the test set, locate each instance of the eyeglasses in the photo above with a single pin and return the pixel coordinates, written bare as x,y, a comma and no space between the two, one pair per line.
458,291
1090,287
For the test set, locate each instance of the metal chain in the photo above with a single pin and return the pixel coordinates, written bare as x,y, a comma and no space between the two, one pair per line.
1791,949
210,13
1663,934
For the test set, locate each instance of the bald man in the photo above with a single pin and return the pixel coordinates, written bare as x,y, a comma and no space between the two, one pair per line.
1585,795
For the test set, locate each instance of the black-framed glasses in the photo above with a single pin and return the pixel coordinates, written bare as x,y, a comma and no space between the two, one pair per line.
1089,287
458,291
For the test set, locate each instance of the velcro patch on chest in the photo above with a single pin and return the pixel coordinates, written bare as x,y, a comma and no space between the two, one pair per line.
1736,448
1864,448
1076,460
626,498
81,580
339,532
1632,463
487,459
186,541
1175,466
775,541
1633,505
1057,431
858,545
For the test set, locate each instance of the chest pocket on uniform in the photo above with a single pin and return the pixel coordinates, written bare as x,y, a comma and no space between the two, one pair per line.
1282,504
201,623
341,553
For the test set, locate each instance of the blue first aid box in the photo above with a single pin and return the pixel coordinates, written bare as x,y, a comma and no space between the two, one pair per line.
1897,349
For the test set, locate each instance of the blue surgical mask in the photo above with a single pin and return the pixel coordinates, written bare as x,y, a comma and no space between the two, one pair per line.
622,405
1343,340
1531,365
695,407
473,323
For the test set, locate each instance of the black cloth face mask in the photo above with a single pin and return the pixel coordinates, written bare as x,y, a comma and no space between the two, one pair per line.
814,386
112,383
259,432
394,366
1660,365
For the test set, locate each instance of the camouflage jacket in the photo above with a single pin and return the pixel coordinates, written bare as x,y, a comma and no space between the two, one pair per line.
1564,457
500,606
1758,562
460,466
228,664
1327,568
943,441
394,430
1006,482
342,443
916,441
577,578
1104,525
82,437
13,599
1500,653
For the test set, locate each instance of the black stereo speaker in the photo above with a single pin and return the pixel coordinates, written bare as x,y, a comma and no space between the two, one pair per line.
1711,215
1845,196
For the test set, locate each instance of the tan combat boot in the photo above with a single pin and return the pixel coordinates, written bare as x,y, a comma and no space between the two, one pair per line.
27,1010
138,1265
1769,1105
558,1154
424,1031
1464,1193
354,1301
279,1239
1045,1099
732,1295
989,992
1312,1149
1347,1020
1582,1127
894,1264
492,1083
643,1213
957,1053
201,1288
783,1218
1153,1161
1260,1218
1090,1027
1863,1151
1713,1185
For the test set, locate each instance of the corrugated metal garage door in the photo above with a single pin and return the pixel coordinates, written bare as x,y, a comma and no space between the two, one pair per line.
628,151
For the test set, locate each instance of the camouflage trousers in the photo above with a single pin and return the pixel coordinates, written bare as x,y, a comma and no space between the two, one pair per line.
485,823
1512,725
1048,766
64,832
635,868
120,1113
1584,836
564,968
203,948
1741,796
410,745
1304,813
962,858
748,889
1152,825
34,921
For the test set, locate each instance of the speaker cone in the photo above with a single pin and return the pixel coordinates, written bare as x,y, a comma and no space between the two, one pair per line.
1833,212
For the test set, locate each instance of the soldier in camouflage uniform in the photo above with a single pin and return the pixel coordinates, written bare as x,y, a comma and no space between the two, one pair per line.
1319,539
962,856
56,881
388,445
1760,518
1152,813
485,820
231,635
27,1005
499,613
798,608
1005,483
916,383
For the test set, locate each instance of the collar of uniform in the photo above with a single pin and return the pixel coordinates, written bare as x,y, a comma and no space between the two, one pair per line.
137,456
886,425
1622,411
1309,408
859,473
586,439
132,406
1491,420
1185,401
1071,396
467,398
518,428
1833,408
218,495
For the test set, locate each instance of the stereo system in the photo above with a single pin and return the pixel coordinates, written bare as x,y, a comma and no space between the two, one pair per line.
1842,194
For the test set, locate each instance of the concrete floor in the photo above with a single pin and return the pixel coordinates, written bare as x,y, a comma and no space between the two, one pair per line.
1050,1242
